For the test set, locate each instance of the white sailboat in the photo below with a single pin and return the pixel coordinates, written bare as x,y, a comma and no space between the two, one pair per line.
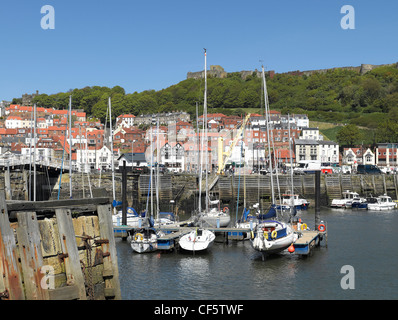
201,239
146,239
271,236
197,240
215,216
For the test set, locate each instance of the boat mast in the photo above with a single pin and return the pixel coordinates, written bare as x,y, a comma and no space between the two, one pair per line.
157,171
268,134
34,152
206,139
291,167
111,140
70,147
151,174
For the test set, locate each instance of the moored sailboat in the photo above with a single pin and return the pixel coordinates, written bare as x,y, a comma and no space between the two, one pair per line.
197,240
271,235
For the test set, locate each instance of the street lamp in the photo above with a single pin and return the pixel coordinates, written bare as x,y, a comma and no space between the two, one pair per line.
132,155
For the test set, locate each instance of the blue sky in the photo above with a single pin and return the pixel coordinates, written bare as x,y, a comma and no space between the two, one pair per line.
144,45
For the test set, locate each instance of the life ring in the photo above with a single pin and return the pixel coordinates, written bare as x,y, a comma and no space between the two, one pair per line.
138,235
322,228
274,234
304,226
225,209
266,235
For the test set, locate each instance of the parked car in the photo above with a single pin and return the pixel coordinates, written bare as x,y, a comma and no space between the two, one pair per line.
368,169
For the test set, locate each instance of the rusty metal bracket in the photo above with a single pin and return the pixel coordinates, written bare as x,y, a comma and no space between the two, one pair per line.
62,256
101,241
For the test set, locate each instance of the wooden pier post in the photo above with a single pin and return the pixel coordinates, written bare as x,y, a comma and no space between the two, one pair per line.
11,287
70,253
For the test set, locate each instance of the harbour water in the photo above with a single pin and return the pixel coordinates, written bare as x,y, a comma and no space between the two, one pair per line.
365,240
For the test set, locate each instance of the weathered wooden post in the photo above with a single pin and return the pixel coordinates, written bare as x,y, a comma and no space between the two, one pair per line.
11,287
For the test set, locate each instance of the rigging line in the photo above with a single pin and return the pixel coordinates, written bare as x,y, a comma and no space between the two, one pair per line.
62,165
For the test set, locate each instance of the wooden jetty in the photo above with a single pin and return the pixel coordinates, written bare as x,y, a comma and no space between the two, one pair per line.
57,250
307,241
174,232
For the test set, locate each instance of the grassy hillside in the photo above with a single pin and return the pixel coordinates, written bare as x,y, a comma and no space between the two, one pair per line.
336,96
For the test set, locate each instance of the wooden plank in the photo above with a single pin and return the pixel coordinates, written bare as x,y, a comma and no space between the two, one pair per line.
50,204
307,237
74,274
110,262
111,272
29,244
65,293
11,278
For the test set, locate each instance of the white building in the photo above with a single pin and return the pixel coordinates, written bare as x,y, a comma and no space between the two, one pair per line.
328,152
13,122
125,120
89,159
311,134
172,155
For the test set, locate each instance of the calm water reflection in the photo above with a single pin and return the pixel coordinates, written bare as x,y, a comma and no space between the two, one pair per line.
363,239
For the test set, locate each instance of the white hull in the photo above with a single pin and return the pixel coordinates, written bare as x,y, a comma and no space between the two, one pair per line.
346,201
379,207
142,243
143,247
132,221
215,221
197,240
338,203
271,246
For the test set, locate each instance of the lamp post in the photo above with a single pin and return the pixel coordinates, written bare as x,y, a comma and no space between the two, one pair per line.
132,155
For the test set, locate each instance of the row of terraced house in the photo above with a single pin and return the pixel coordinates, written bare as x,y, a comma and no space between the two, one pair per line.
175,136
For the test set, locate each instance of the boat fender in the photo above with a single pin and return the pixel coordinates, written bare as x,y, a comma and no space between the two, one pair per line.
138,235
266,235
322,228
304,226
274,234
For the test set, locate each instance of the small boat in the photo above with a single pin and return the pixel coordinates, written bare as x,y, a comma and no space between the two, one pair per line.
358,203
215,218
197,240
165,218
144,240
295,200
273,236
133,218
346,201
380,203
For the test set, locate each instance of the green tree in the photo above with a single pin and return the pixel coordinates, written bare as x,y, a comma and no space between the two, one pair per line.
348,135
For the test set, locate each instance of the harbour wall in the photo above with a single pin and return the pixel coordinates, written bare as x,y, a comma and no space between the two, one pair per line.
183,189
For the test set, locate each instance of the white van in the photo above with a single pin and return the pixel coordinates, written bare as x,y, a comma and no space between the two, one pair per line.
307,166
